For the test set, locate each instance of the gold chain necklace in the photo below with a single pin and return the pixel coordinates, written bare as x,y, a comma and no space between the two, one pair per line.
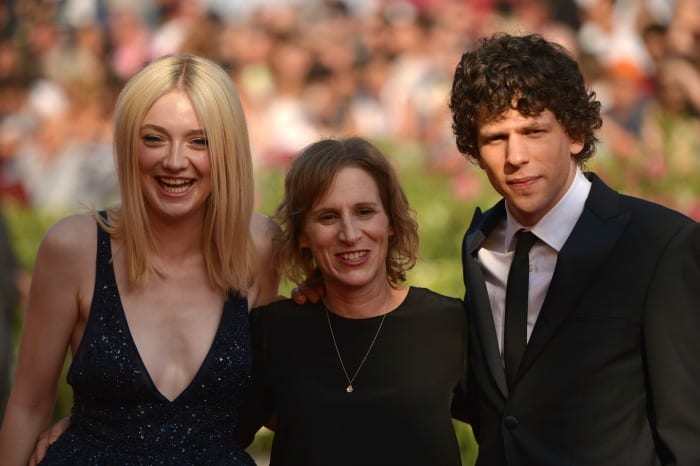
350,380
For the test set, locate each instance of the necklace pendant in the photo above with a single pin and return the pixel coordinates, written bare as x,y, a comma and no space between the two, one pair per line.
349,388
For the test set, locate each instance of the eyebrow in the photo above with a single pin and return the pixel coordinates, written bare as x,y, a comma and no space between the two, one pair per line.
357,204
198,131
530,125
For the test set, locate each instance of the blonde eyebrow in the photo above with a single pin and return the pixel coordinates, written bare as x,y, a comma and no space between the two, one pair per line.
191,132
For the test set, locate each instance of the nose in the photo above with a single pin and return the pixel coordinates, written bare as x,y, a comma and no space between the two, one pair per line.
516,153
176,158
349,232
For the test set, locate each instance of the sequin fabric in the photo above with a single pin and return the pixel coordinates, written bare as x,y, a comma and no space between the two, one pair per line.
120,418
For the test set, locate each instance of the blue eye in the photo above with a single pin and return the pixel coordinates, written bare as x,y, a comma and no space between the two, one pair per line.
152,139
200,142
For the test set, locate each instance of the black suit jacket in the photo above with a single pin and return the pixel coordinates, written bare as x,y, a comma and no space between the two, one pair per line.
611,374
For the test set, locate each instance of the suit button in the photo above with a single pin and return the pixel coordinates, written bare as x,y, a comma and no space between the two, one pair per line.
511,422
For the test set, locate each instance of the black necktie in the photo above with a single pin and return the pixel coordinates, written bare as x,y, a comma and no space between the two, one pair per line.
515,332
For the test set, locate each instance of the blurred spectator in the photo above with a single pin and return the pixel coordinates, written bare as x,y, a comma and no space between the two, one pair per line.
129,39
608,32
178,23
624,100
410,79
655,39
286,119
64,158
13,124
312,68
684,30
670,138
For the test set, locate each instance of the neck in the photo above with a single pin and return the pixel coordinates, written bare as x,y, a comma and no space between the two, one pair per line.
176,243
363,304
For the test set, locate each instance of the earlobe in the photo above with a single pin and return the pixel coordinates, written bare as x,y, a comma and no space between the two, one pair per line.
576,147
303,241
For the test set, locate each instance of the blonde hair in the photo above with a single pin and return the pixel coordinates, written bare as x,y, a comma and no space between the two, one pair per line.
226,240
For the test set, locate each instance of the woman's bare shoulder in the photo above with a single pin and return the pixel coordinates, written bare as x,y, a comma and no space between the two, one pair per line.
264,290
262,226
74,235
65,261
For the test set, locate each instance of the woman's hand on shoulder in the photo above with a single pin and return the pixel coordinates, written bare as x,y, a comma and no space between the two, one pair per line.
308,293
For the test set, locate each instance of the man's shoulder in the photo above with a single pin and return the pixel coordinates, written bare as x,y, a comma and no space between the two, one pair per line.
643,210
427,303
428,295
652,215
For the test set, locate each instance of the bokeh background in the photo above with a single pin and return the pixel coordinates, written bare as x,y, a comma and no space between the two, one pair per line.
322,68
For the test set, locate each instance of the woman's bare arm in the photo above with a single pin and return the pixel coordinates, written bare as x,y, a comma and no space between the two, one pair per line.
267,278
65,263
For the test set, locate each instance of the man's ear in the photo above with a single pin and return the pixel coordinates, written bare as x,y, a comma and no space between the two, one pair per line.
575,147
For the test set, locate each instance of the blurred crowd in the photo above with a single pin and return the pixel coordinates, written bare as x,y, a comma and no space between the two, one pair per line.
317,68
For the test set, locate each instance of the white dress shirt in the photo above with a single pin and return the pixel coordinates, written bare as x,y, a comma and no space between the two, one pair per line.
496,254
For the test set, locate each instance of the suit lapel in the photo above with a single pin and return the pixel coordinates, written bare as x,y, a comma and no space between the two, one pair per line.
477,298
597,231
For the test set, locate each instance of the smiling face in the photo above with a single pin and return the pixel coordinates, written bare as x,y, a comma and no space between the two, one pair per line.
348,232
529,161
173,159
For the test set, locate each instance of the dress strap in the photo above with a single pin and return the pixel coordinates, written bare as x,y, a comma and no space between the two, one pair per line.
104,316
104,272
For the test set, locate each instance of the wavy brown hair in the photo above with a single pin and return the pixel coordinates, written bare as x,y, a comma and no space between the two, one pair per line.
308,179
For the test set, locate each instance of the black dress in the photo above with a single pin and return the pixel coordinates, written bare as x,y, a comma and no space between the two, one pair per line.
120,418
399,410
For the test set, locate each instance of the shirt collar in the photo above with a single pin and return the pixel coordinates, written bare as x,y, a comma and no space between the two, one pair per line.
556,225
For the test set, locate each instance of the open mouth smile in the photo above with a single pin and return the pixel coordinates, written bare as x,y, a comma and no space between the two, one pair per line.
355,256
175,185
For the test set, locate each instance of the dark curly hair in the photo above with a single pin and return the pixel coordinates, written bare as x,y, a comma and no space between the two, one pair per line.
528,74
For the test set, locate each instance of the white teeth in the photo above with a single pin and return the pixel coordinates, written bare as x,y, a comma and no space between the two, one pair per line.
175,185
174,181
353,256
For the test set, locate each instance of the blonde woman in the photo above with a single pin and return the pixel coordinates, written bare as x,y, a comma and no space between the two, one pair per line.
151,297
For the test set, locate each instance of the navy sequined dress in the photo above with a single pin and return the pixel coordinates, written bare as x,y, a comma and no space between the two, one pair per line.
120,418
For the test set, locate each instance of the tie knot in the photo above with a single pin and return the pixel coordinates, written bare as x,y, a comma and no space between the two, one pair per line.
526,239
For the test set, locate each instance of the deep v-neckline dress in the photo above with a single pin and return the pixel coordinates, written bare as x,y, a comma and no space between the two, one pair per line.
119,417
